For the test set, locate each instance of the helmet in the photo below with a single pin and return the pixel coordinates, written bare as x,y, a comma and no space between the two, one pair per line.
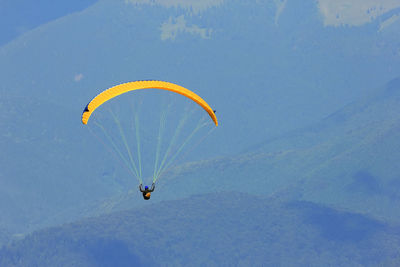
146,187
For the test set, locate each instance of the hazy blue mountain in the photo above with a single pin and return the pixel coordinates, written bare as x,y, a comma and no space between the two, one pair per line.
20,16
222,229
349,159
265,75
361,173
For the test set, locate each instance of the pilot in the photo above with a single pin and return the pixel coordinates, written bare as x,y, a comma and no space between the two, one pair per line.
146,192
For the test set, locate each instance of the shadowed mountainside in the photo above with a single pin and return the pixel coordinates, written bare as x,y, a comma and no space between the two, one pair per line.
223,229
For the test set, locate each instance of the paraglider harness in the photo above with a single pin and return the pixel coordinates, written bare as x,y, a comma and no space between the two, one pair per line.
146,191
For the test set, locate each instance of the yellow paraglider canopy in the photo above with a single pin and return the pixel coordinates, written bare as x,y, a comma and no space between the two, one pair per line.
137,85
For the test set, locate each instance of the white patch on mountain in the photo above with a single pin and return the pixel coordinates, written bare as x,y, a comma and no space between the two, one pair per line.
196,6
175,26
354,12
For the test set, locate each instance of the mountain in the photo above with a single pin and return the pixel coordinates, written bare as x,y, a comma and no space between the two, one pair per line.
223,229
362,171
267,68
348,160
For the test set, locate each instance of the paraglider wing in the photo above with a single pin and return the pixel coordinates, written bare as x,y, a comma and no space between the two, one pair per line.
137,85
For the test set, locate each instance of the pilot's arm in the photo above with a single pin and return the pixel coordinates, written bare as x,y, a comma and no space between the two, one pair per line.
141,188
152,187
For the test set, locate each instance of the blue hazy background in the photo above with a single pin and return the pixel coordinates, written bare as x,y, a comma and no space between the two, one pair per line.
302,170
